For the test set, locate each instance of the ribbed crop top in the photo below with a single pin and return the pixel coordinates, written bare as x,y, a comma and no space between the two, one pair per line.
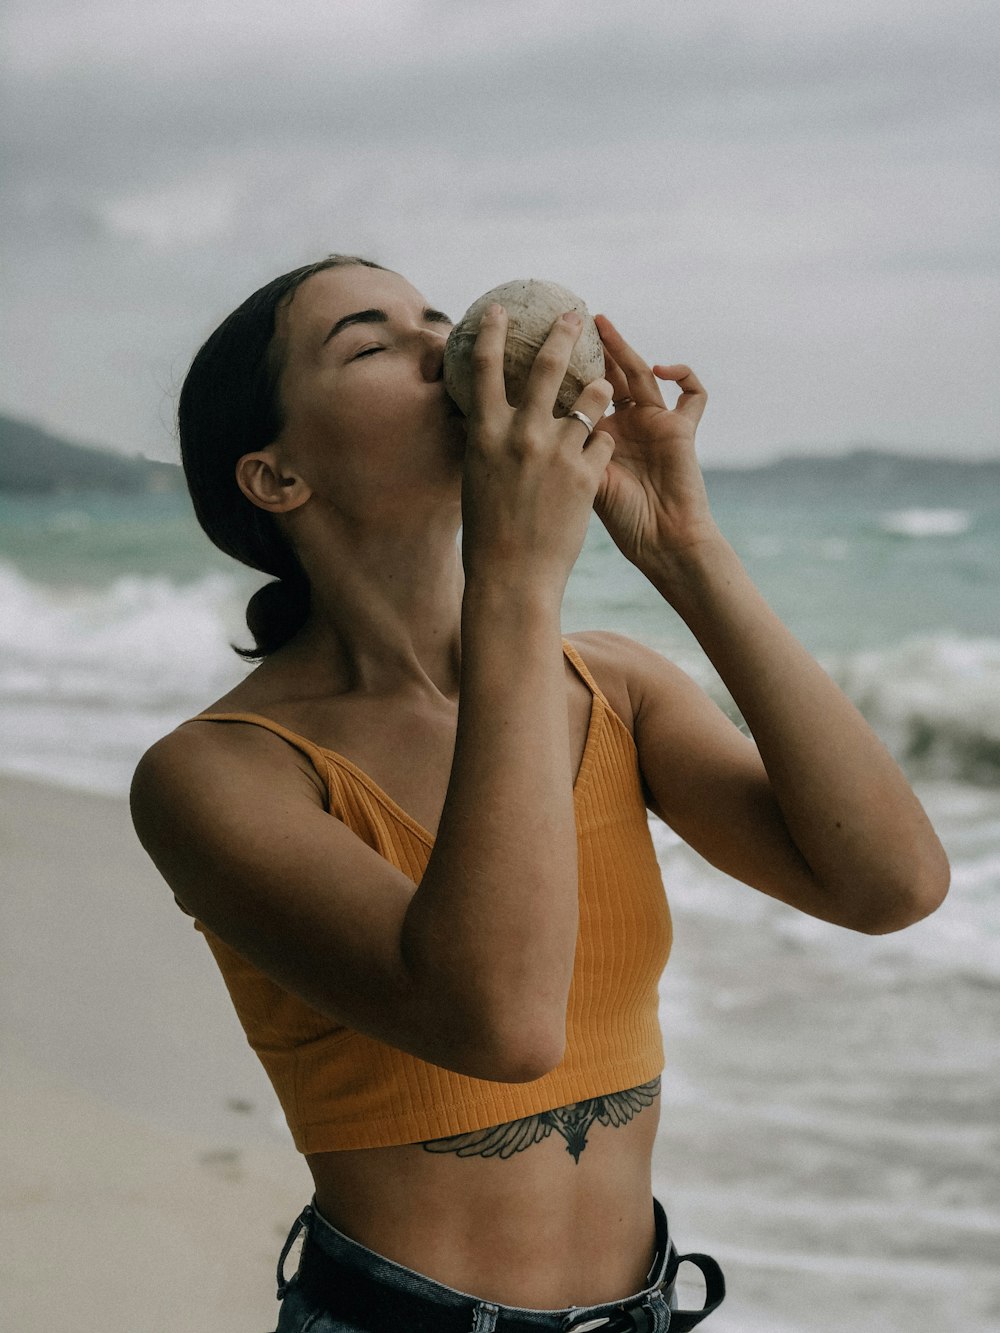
340,1089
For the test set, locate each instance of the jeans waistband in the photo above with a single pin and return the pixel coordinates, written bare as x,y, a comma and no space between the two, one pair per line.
356,1283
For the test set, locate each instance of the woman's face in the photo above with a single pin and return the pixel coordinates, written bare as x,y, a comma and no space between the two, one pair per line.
366,413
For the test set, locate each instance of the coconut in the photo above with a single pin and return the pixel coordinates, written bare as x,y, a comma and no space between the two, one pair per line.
532,308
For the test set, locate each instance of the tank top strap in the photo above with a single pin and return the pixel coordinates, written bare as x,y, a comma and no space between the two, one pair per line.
319,758
313,753
583,671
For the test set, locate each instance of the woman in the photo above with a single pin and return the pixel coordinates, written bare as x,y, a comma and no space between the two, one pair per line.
452,981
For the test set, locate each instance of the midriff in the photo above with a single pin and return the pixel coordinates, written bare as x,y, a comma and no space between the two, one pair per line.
535,1230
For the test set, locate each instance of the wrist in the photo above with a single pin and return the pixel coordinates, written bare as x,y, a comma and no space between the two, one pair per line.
492,598
684,573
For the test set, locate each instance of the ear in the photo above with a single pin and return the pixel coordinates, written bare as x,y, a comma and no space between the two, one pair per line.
265,483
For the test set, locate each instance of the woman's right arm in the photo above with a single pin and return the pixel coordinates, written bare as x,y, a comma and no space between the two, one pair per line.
471,969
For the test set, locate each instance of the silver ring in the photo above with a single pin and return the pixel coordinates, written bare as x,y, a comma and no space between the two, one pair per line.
582,416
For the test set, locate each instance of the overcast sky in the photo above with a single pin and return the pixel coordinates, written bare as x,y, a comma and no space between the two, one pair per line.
799,199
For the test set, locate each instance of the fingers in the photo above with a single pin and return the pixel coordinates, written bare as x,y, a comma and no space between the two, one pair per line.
596,447
616,375
489,394
640,382
551,362
595,400
632,378
693,397
547,372
597,455
601,446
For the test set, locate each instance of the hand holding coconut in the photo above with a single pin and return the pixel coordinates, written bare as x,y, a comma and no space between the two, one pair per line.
530,477
651,497
532,308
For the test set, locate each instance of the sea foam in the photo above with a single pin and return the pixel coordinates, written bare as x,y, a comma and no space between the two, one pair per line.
138,641
146,651
934,700
89,678
926,522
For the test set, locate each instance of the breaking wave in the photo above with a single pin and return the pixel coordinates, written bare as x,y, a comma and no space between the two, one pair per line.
145,652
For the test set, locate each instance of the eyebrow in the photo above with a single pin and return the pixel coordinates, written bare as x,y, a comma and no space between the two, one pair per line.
380,317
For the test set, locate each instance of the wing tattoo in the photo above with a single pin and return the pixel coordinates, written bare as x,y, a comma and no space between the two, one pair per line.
497,1141
573,1122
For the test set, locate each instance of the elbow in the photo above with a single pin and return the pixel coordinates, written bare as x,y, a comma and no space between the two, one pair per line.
528,1065
518,1056
500,1036
908,902
523,1067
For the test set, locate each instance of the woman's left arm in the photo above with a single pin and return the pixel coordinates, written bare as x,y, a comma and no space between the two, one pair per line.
816,812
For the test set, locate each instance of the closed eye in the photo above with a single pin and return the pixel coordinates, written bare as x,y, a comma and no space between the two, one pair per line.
367,351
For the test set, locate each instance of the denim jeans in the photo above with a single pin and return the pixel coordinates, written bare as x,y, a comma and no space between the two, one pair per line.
303,1313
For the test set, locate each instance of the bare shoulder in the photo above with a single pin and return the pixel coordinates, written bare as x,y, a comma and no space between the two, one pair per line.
198,750
202,767
682,737
628,672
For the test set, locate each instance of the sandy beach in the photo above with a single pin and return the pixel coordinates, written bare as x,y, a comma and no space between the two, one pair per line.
146,1187
830,1135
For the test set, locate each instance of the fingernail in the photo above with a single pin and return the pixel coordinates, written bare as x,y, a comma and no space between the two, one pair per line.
494,310
573,318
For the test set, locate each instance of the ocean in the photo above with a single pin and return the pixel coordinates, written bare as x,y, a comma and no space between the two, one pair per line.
853,1079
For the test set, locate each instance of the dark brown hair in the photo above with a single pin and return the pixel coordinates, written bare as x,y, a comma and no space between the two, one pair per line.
230,405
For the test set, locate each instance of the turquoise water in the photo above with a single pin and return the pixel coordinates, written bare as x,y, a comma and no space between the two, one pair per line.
87,541
848,570
116,605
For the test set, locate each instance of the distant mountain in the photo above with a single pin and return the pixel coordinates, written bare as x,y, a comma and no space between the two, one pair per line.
864,465
34,462
867,475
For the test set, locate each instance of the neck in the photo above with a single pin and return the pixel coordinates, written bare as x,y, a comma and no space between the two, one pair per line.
386,608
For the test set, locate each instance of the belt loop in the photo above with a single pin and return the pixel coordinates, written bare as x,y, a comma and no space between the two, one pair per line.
484,1317
301,1223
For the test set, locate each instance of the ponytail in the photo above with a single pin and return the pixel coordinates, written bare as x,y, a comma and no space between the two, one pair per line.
275,614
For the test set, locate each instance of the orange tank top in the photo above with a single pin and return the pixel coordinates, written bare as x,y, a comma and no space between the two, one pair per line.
340,1089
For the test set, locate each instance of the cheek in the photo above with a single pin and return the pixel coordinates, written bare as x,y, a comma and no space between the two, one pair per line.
364,395
360,437
369,434
339,412
366,418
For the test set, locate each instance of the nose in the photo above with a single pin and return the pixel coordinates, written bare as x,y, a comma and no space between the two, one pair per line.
432,353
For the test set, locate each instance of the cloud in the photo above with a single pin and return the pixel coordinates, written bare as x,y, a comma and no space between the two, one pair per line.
166,160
